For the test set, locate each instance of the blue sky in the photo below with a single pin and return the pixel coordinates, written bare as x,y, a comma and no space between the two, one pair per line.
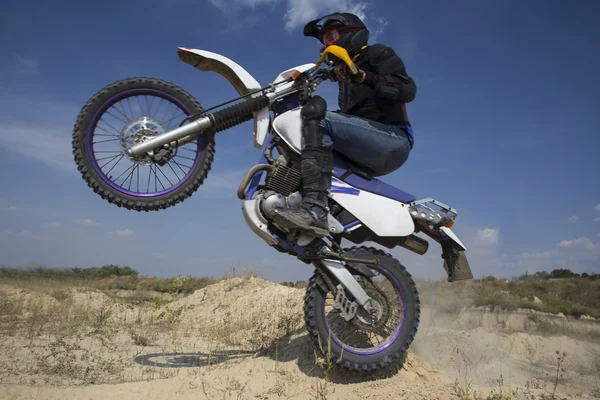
505,121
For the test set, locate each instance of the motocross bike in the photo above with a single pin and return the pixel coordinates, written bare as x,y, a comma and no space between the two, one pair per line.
360,302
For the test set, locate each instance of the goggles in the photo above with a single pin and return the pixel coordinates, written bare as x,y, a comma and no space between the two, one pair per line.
331,36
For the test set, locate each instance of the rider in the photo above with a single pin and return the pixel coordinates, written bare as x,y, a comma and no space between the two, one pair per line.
371,128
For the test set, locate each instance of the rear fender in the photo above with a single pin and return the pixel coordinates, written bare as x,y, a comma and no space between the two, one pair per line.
453,237
237,76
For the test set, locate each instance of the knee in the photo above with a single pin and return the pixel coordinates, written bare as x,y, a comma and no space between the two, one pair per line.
314,109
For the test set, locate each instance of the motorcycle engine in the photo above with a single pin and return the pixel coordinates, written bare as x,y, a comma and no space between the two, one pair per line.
272,200
281,188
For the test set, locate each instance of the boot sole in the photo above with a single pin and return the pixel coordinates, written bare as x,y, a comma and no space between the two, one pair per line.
318,232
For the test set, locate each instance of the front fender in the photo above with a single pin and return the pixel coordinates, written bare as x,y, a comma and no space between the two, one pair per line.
236,75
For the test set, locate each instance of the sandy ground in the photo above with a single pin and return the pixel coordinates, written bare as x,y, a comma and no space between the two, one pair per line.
243,338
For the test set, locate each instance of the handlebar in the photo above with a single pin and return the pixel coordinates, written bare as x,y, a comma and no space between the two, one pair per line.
310,79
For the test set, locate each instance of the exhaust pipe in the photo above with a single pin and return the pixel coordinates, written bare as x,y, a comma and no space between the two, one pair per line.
415,244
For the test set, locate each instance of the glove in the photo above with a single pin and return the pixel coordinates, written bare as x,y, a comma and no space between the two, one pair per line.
341,73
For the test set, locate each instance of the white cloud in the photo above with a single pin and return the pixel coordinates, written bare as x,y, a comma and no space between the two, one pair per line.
231,5
44,135
574,219
122,233
51,225
596,219
380,24
222,183
26,66
85,222
43,143
11,208
487,237
297,13
597,208
202,260
21,233
582,242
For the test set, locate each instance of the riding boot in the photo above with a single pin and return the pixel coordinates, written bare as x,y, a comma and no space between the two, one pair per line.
316,170
316,166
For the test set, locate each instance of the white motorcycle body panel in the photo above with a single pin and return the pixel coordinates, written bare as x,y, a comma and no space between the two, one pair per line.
384,216
289,127
238,77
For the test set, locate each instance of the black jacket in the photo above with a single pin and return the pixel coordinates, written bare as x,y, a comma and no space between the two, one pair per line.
385,91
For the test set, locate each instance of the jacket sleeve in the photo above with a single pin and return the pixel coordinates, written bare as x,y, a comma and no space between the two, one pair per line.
388,77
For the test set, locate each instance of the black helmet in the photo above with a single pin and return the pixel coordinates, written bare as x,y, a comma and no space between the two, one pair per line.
342,29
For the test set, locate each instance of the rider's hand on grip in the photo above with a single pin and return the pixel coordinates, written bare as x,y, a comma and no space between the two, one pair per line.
341,73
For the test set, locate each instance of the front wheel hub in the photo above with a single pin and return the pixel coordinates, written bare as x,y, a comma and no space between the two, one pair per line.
139,131
378,314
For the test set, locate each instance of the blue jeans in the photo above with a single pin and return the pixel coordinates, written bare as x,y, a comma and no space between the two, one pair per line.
380,148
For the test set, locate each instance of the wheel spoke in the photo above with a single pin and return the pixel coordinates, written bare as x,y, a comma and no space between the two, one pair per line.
160,169
114,116
176,163
131,176
170,166
131,166
187,158
109,125
106,158
168,122
130,108
149,175
104,141
156,178
111,160
122,110
115,164
158,107
137,98
104,130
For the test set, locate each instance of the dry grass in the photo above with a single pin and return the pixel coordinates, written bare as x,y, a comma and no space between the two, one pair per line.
570,296
83,333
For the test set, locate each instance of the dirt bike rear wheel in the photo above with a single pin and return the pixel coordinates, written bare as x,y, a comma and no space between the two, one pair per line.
338,347
126,128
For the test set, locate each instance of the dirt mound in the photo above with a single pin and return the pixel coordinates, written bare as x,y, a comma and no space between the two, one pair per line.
246,312
22,301
205,346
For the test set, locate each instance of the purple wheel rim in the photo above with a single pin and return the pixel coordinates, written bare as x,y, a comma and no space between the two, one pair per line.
110,102
398,328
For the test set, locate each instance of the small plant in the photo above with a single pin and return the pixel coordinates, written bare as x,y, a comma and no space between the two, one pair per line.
498,396
140,339
60,295
560,359
178,284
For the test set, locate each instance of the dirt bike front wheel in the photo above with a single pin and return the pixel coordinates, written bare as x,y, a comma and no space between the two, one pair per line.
368,341
130,111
